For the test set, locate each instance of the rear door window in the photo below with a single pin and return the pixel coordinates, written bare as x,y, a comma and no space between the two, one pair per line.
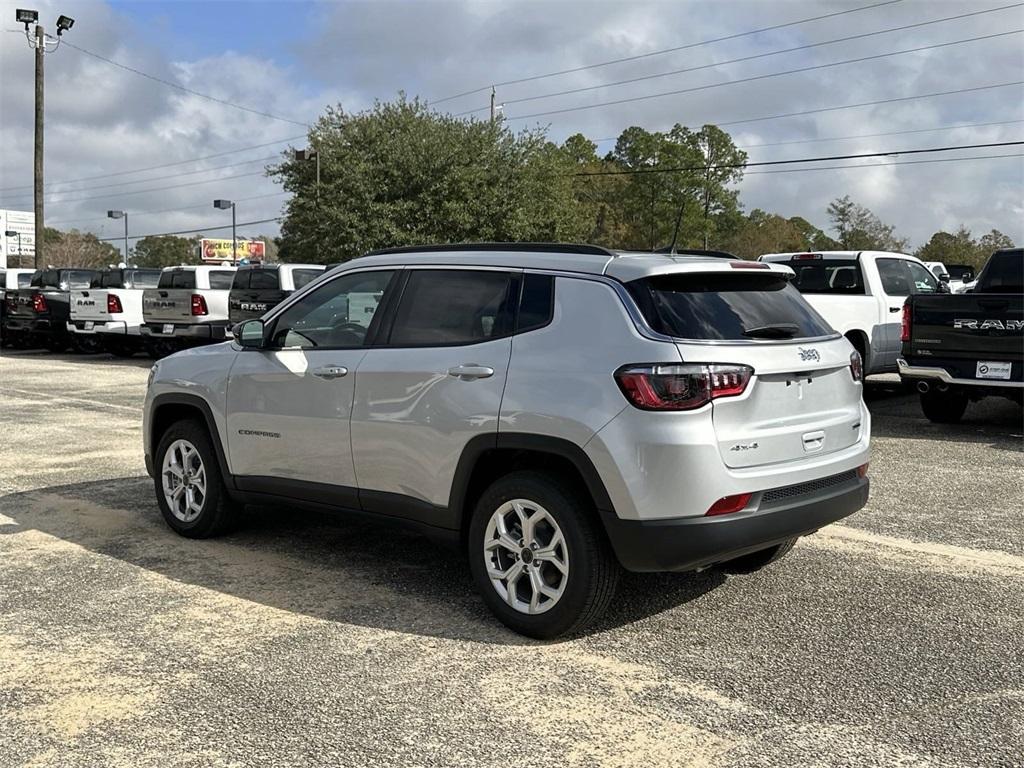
446,307
841,276
111,280
79,279
24,280
726,306
220,280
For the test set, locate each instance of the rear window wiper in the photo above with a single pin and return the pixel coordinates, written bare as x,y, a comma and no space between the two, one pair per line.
777,331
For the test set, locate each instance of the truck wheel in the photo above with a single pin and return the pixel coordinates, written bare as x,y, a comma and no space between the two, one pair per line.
189,487
86,345
55,343
944,407
120,347
539,557
162,348
755,561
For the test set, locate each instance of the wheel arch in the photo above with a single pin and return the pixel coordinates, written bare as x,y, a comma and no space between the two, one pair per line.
171,407
862,343
488,457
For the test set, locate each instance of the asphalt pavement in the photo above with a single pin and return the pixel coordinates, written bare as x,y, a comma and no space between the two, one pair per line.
894,638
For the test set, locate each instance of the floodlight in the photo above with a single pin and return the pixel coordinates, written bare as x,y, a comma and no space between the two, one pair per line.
26,17
222,204
304,154
64,23
115,214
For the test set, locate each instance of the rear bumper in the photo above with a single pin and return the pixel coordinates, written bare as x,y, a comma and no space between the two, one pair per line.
17,324
118,327
683,544
908,371
215,332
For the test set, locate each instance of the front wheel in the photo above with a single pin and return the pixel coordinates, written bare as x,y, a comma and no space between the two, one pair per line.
944,407
189,486
538,556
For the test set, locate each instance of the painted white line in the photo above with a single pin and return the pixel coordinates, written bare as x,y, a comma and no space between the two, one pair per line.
944,557
67,399
5,520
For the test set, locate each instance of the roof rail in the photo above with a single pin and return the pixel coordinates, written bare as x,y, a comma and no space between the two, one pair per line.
593,250
669,251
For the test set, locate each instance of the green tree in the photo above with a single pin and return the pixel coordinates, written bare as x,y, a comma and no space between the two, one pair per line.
165,251
723,165
399,174
861,230
994,241
961,248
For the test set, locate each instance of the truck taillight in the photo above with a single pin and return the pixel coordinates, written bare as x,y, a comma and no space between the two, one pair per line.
856,366
905,325
113,304
199,305
680,387
39,303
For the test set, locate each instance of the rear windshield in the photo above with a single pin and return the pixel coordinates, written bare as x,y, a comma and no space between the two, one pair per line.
1004,273
833,276
220,280
145,278
177,279
303,277
78,279
108,280
263,279
726,306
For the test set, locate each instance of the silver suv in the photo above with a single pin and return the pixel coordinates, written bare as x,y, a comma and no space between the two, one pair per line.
557,412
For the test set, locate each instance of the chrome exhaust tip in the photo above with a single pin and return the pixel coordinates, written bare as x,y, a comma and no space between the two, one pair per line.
923,386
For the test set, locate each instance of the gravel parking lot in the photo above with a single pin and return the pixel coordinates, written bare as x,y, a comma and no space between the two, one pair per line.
896,638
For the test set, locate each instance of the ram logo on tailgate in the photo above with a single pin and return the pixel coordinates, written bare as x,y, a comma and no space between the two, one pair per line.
984,325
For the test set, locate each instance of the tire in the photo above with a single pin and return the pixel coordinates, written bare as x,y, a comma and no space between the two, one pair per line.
584,582
120,347
944,407
216,513
86,345
54,343
755,561
162,348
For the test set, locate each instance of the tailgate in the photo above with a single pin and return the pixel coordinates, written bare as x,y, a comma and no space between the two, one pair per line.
19,302
170,305
801,402
89,305
967,326
247,304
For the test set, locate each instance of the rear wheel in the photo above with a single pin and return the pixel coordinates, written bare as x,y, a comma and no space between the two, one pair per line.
944,407
120,347
538,556
161,348
189,486
755,561
55,343
86,345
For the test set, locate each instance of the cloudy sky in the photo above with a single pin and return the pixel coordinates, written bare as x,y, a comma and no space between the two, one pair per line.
289,59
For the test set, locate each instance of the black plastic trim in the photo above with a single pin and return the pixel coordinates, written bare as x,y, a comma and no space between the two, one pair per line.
193,401
684,544
594,250
406,507
300,490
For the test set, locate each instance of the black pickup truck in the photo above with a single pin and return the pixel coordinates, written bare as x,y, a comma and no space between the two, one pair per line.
963,347
38,315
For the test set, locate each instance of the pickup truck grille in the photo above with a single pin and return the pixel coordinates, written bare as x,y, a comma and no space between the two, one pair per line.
776,495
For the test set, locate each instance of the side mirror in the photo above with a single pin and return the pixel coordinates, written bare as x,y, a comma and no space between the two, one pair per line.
943,278
249,334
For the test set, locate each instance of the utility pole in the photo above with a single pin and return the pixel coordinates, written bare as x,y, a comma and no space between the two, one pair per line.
223,205
37,165
40,42
492,105
122,215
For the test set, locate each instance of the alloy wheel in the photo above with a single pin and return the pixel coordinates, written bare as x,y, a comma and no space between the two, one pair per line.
183,477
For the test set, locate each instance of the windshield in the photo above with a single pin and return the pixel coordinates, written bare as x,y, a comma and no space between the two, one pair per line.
726,306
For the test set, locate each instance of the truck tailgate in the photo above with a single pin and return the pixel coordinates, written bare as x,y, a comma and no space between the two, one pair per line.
89,305
170,305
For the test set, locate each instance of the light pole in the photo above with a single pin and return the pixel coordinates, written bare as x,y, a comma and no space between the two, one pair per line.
302,155
122,215
223,205
43,44
12,233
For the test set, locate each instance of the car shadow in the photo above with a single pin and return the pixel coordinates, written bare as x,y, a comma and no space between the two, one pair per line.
139,360
315,564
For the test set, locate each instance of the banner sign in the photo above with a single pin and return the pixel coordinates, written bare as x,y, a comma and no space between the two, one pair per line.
219,250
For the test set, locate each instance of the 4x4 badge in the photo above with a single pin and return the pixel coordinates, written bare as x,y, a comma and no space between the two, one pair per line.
809,354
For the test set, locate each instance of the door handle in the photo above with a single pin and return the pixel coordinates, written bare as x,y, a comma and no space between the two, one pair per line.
470,372
330,372
895,309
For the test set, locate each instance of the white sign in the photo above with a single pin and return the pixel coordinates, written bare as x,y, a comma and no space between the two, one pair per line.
23,223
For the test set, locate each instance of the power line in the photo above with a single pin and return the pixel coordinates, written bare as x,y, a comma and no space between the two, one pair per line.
136,214
192,231
162,165
663,51
859,156
153,189
874,135
883,165
754,78
713,65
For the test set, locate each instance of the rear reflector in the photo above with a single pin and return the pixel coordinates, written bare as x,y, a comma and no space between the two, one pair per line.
729,504
39,303
680,387
113,304
862,470
199,305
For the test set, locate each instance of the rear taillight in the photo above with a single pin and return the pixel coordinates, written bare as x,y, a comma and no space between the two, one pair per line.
39,303
729,504
113,304
680,387
905,325
198,305
856,366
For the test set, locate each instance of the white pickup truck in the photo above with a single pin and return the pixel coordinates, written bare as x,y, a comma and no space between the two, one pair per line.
108,314
189,306
861,295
